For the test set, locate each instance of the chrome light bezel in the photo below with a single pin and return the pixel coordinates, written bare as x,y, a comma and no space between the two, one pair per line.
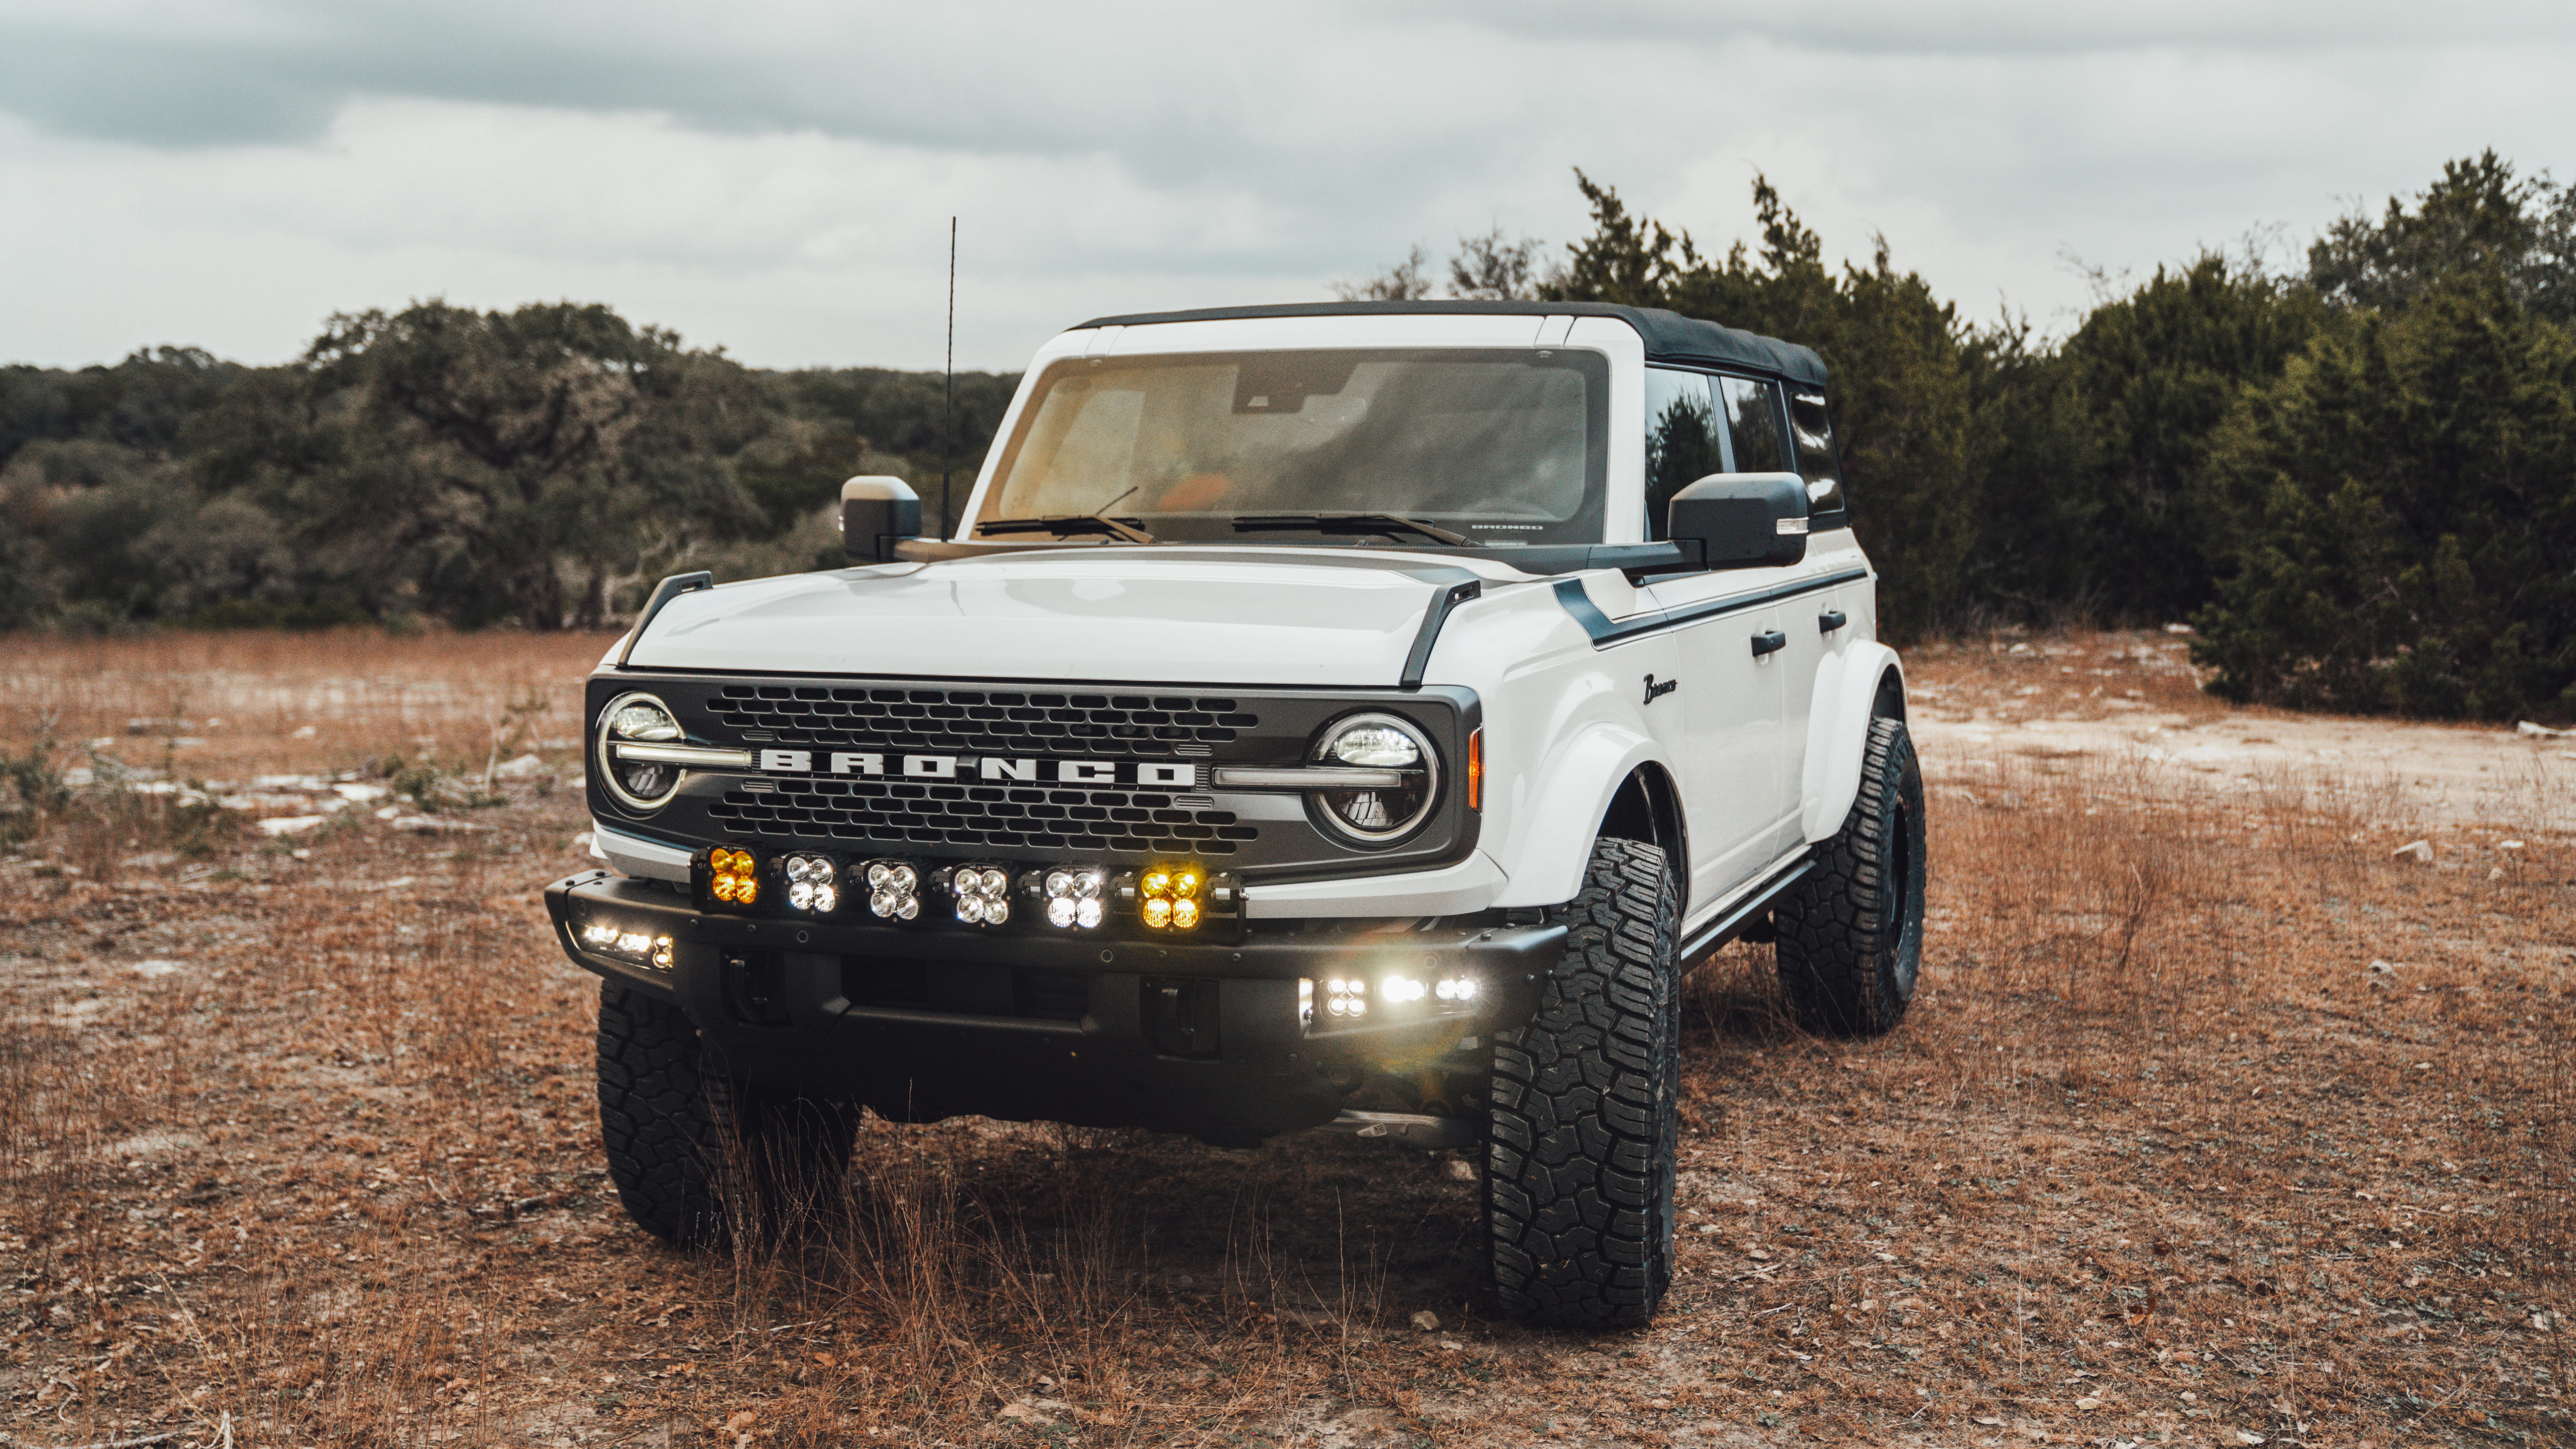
1320,805
606,762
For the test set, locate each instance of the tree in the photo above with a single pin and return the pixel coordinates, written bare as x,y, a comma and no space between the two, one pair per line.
2480,217
521,463
2411,540
2151,375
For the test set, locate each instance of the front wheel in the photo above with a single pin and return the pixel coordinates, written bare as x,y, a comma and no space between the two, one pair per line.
1851,932
1585,1117
696,1155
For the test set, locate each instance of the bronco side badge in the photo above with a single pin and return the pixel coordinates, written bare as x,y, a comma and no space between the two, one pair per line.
1656,691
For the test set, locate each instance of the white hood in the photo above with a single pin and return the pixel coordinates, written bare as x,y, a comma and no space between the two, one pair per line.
1248,616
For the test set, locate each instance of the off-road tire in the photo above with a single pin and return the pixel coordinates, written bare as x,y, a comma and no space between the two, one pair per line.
1851,931
1585,1113
696,1155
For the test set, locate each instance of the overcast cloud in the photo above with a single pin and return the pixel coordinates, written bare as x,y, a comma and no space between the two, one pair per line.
777,176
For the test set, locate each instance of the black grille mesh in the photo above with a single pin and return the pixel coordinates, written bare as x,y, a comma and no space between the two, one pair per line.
971,720
888,812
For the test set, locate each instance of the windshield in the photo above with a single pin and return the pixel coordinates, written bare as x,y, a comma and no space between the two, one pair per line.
1502,446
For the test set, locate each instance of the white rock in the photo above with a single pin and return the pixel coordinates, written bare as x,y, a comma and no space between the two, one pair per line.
2414,849
2542,732
1427,1321
290,824
389,812
2177,628
519,769
2509,845
306,733
361,793
157,967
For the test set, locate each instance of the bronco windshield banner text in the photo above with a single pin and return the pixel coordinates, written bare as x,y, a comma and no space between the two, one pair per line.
996,768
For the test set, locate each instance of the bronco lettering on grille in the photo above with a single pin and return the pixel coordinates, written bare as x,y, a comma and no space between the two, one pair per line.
1168,775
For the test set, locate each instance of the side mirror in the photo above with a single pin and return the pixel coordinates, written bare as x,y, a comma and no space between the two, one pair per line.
876,513
1743,519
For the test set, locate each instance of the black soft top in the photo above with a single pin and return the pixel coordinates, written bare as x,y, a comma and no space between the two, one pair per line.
1669,336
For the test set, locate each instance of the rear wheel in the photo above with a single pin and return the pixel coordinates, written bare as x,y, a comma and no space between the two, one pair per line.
1585,1115
696,1155
1851,931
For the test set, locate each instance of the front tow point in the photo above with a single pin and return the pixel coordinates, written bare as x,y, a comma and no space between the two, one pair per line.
1181,1012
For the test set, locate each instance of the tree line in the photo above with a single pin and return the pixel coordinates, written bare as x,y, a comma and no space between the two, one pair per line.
538,467
2355,474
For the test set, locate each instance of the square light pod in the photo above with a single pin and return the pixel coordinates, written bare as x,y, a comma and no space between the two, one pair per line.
1076,897
893,889
982,894
813,883
728,876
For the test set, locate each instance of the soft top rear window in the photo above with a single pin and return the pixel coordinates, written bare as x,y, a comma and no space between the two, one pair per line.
1500,445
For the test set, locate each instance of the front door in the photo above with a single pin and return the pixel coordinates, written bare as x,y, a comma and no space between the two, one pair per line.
1736,780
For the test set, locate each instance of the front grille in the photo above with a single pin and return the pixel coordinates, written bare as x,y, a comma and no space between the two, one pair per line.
893,813
969,721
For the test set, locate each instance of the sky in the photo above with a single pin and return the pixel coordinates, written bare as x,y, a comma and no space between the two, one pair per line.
777,176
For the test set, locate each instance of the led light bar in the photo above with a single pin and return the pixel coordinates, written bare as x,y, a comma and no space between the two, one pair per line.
637,948
1395,998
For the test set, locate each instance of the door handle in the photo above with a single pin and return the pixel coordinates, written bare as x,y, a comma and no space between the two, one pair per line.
1830,620
1770,641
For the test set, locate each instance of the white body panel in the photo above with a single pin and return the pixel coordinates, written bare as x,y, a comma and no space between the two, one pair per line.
1242,616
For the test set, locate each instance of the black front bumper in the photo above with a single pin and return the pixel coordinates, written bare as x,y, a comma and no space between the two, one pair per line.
1201,1037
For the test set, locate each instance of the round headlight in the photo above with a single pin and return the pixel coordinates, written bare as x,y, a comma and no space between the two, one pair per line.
1379,815
643,720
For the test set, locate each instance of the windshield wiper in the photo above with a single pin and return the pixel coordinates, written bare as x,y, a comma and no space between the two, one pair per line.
1064,524
1383,525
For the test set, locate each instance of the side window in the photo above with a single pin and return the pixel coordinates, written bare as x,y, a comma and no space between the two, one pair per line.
1816,460
1684,440
1753,425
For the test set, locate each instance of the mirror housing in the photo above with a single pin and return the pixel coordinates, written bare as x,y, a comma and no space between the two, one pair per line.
1742,520
877,512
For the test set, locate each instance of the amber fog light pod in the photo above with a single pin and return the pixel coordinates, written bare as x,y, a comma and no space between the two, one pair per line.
727,876
1170,897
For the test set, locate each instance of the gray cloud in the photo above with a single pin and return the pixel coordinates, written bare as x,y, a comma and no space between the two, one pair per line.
777,174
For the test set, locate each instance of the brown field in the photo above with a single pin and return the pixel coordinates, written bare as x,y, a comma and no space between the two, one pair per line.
2216,1123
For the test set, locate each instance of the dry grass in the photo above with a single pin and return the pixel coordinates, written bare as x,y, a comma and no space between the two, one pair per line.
2159,1157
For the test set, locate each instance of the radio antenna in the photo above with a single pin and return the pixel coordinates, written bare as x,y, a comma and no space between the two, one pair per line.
948,410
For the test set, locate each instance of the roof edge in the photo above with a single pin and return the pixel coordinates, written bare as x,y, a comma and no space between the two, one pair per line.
1669,336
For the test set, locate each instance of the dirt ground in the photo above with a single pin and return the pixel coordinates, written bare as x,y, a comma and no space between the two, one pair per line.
2220,1119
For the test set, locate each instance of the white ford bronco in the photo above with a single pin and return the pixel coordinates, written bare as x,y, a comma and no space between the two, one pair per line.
1339,716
